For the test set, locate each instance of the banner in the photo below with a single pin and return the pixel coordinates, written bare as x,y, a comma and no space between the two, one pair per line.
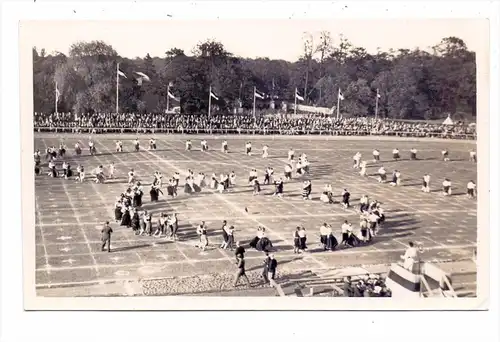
315,110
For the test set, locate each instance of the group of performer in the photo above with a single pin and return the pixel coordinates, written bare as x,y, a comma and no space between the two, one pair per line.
361,165
129,212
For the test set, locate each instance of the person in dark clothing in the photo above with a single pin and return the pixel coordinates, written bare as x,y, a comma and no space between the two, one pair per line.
348,290
106,236
359,289
271,270
240,250
265,270
154,193
135,221
241,271
126,219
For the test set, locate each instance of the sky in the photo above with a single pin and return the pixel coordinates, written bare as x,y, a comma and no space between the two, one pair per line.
275,39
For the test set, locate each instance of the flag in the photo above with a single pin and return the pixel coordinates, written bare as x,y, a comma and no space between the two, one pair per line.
170,84
297,96
121,73
58,94
213,95
341,97
273,83
142,76
172,96
378,95
258,95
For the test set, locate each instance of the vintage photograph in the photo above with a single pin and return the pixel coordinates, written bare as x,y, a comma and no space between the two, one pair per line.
256,158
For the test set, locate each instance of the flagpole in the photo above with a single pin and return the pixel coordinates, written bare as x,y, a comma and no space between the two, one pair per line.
295,107
57,97
209,100
117,85
254,90
168,95
338,104
376,105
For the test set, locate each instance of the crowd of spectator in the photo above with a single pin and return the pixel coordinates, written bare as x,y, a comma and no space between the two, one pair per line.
369,286
240,124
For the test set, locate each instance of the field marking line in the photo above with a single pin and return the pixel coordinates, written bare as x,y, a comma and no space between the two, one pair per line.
76,242
350,251
42,235
214,218
416,211
75,212
434,241
174,161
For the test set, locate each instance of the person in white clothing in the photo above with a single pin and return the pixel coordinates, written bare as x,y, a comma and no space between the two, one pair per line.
346,230
396,178
224,148
382,175
426,183
413,154
445,155
81,173
446,187
265,151
376,156
119,146
131,177
248,148
473,156
471,189
92,149
356,160
373,219
189,145
362,172
152,144
410,258
291,154
395,154
112,170
288,172
204,146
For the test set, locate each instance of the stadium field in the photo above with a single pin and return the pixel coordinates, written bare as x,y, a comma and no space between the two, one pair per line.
70,215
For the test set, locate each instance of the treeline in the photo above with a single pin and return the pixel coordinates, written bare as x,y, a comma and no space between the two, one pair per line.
413,84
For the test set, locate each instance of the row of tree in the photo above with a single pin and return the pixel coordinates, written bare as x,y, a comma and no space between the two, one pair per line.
413,84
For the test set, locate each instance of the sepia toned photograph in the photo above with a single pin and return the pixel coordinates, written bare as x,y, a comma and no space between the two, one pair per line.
258,158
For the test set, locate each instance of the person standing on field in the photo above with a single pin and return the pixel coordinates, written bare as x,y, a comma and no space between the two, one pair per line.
106,236
241,271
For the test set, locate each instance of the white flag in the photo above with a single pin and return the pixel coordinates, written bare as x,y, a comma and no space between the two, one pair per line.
341,97
58,94
258,95
121,73
297,96
142,76
378,94
172,96
213,95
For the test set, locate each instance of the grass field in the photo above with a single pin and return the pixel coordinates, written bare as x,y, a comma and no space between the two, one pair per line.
69,215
